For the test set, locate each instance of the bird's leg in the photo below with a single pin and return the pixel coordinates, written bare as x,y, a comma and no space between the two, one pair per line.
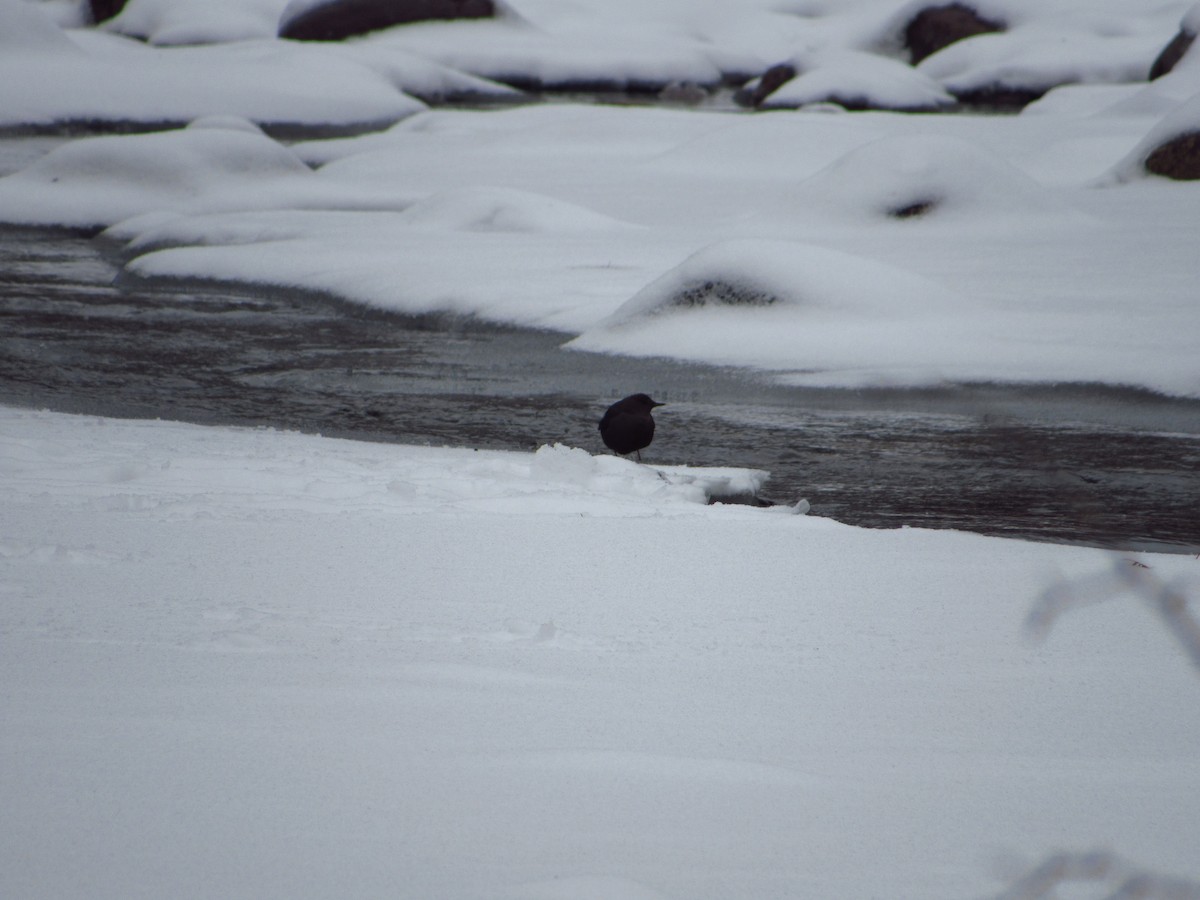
639,453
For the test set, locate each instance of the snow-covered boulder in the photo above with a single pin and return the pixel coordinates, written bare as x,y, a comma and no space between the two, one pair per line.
1039,52
101,180
605,58
924,176
169,22
857,80
780,305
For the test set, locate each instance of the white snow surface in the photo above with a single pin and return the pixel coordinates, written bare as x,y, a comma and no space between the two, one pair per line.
251,663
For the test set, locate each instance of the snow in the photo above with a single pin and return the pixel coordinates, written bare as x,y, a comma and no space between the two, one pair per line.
258,663
253,663
854,78
1049,53
99,77
94,180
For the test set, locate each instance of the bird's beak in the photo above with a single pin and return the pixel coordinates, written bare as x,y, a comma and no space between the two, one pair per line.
655,405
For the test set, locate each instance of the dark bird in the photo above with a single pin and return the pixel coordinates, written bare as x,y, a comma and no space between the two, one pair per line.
627,426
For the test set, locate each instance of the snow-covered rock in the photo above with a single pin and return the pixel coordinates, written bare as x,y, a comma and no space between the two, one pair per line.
858,80
98,181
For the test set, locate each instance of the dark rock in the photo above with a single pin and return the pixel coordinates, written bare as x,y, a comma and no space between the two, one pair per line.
1000,97
1172,54
617,87
772,80
103,10
340,19
1178,158
716,292
913,210
940,26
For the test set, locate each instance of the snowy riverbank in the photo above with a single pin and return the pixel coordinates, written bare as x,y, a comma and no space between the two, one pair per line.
264,664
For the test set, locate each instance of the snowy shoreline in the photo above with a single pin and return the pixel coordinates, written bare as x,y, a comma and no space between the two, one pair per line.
284,665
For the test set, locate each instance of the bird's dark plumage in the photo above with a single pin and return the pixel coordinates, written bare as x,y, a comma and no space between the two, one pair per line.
627,426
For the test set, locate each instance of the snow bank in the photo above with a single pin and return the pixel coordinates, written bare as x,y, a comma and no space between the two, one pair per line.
264,664
191,471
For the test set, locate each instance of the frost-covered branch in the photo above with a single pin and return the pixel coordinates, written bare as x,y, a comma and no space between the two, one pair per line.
1127,576
1097,875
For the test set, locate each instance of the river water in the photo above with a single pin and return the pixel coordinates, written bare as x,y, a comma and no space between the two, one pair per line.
1100,466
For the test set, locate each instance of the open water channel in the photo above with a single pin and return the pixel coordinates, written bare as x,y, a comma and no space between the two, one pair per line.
1095,465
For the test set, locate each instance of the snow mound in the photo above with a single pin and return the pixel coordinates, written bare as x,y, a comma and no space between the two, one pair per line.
430,81
572,470
750,277
511,51
98,77
1045,54
101,180
505,209
924,176
778,305
858,80
169,22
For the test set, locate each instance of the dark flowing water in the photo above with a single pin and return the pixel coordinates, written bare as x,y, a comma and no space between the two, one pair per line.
1092,465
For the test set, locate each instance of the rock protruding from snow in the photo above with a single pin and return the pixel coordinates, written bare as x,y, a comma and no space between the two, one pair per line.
754,92
335,20
936,27
1170,149
105,9
1177,158
1179,46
